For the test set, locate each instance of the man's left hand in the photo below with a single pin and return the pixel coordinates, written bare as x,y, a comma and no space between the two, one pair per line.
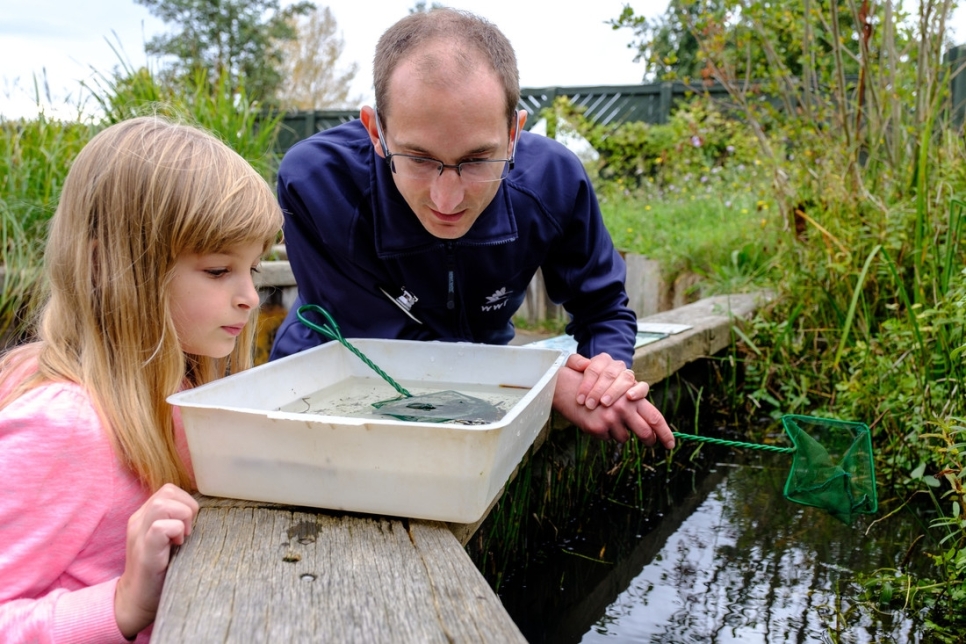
605,380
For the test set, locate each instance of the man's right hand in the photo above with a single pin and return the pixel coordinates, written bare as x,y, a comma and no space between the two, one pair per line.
624,416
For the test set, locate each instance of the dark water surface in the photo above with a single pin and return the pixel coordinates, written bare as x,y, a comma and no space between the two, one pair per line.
721,556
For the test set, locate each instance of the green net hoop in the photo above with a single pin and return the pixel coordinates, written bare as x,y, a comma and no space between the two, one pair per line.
832,466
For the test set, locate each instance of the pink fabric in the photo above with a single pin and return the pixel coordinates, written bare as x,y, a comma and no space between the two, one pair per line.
64,504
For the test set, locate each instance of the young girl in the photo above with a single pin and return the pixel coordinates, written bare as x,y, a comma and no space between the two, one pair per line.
149,268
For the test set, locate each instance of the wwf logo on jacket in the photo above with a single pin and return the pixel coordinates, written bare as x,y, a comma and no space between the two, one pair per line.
496,301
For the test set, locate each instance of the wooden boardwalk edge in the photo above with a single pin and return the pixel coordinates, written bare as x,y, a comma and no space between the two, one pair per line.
277,574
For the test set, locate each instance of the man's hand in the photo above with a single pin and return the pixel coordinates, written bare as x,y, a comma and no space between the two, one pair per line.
604,381
628,413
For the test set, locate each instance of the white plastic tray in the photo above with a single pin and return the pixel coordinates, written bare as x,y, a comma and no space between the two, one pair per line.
244,446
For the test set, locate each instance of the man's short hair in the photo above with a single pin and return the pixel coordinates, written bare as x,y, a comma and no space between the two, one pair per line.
464,27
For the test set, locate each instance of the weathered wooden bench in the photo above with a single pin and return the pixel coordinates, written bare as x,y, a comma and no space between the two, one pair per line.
267,573
256,572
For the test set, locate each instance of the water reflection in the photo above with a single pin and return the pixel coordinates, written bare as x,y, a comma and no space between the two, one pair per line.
747,566
731,561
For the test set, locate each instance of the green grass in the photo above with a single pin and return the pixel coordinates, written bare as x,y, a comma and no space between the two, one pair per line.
728,240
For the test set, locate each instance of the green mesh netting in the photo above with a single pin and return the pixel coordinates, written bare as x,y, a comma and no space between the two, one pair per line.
832,465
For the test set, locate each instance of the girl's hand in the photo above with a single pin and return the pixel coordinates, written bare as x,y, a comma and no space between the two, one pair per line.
164,520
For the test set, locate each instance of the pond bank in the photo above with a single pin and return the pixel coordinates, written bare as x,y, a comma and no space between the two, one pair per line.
266,571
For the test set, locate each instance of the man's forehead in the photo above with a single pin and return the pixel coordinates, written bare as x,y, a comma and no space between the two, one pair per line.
419,101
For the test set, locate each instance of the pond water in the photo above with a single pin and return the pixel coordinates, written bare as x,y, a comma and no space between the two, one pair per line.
354,396
719,556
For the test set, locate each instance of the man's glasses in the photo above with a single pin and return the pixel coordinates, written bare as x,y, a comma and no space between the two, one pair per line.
427,169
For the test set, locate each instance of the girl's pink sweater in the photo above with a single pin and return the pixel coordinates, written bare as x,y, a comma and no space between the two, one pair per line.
65,500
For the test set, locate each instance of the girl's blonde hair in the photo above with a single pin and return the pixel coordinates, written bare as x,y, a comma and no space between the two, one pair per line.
139,195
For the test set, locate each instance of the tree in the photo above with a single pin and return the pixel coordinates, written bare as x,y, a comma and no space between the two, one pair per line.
420,7
666,45
742,38
237,37
310,78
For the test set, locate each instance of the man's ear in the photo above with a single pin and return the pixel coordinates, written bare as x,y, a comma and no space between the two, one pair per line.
368,117
515,134
521,121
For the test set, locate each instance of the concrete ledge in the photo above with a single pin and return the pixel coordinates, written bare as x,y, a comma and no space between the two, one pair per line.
274,273
710,319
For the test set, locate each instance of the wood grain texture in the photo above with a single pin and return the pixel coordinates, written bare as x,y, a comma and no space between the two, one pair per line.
261,573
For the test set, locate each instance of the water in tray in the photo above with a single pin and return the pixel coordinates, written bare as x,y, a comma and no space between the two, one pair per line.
355,396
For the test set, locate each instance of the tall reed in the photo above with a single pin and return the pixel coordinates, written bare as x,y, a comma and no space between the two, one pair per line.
36,153
217,107
868,324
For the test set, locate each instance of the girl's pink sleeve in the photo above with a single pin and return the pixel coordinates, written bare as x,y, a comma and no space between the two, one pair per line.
56,584
85,615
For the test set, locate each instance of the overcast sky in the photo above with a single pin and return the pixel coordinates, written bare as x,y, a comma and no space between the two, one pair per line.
71,40
68,38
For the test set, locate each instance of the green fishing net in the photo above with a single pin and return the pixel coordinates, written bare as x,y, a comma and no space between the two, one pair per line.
441,407
832,466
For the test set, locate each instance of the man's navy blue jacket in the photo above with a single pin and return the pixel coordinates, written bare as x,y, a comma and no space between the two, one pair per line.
358,250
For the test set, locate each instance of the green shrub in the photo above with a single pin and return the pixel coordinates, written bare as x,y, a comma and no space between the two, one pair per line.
698,143
35,156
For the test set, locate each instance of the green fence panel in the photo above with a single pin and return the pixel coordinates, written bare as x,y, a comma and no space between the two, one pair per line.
611,104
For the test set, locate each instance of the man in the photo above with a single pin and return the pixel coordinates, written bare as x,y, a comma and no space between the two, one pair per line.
427,218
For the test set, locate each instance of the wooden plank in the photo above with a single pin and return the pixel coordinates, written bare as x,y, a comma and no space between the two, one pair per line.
255,572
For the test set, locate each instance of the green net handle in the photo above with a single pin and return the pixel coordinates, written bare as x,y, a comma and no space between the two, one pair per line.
331,331
722,441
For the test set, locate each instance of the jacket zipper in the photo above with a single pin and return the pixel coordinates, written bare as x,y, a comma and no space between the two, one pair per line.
450,286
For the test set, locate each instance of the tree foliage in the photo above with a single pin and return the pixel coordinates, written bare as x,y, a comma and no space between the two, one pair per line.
753,38
420,7
666,44
240,38
312,80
